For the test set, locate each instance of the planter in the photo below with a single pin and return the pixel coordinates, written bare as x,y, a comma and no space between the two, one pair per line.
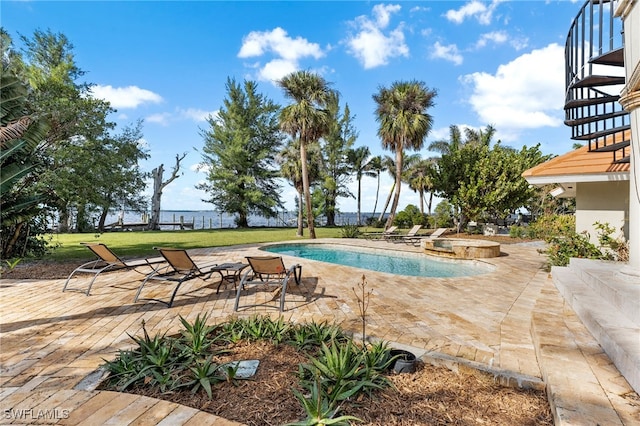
405,361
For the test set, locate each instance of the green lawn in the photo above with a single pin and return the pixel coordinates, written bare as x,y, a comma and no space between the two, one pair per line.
141,243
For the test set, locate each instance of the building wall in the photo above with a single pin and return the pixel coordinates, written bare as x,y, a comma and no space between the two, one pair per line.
604,202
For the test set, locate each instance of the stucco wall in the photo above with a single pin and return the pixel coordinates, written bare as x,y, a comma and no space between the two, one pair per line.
604,202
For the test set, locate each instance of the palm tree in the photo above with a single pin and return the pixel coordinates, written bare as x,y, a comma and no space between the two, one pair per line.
20,135
291,169
306,119
358,160
419,180
444,146
404,123
375,167
389,165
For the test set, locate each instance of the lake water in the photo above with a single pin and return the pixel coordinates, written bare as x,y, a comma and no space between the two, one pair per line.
210,219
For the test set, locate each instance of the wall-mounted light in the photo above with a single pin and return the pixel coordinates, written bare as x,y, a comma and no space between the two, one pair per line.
557,191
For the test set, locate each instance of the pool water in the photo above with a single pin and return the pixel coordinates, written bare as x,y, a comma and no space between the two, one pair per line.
417,265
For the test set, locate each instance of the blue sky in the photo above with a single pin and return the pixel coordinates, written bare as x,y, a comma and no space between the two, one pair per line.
497,62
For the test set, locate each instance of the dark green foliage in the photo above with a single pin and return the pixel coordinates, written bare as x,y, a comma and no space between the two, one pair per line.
239,152
483,181
337,161
411,216
21,212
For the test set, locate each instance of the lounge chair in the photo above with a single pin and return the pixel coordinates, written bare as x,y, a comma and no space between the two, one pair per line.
417,239
409,237
181,268
108,261
380,235
268,271
435,234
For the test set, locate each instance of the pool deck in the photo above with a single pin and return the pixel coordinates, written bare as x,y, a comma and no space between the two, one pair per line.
511,321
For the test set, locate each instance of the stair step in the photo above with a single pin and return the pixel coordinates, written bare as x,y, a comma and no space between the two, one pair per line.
612,147
618,335
614,58
601,133
575,103
597,81
594,118
601,278
566,368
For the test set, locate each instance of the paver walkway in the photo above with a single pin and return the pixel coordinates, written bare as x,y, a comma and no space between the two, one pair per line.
51,341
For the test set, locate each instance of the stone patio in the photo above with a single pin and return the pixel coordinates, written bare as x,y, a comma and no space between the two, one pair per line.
511,321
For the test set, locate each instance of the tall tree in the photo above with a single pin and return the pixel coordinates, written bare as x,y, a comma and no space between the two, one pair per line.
375,167
239,152
79,130
306,119
401,111
359,161
336,144
95,174
389,164
291,169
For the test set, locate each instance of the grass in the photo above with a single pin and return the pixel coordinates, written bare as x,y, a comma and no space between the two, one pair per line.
141,243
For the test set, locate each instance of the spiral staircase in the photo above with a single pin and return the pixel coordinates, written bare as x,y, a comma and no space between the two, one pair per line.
594,61
594,56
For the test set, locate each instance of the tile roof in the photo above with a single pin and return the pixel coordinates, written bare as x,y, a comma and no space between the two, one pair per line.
578,162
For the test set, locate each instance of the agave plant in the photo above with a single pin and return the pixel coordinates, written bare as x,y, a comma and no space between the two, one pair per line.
320,408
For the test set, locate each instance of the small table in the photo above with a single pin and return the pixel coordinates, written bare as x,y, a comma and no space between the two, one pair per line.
229,273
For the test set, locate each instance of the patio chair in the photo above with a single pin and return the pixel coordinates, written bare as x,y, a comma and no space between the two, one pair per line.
381,235
268,271
437,233
409,237
181,268
108,261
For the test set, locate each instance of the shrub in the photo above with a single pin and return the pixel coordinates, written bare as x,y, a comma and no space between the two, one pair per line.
350,231
612,248
548,227
443,215
410,216
562,248
519,231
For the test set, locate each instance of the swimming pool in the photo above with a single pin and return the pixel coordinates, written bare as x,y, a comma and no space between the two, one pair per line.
405,263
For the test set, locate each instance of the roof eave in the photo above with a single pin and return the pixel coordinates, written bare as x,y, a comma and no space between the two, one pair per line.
577,178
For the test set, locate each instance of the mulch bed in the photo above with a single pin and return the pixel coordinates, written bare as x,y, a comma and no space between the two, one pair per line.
430,396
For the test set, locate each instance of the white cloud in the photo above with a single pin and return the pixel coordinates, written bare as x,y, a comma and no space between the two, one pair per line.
276,69
525,93
125,97
180,114
449,53
286,50
160,118
382,13
370,45
474,9
197,115
495,37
